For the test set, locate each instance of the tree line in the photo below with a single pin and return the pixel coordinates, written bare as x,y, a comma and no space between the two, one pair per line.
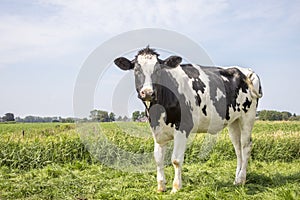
37,119
104,116
9,117
95,115
265,115
273,115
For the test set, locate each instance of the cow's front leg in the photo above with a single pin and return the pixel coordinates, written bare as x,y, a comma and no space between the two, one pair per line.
159,155
177,158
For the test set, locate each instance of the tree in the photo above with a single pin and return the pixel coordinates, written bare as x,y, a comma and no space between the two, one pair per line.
286,115
135,115
99,115
125,119
19,119
295,117
112,117
103,116
119,119
143,114
8,117
94,115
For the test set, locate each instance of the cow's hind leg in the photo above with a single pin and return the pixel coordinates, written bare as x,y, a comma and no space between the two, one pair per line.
240,135
235,137
159,155
246,126
177,158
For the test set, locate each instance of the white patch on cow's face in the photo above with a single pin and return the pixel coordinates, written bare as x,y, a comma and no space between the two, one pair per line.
220,94
147,63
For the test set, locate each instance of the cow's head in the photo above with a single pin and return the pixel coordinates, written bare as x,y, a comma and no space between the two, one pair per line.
147,71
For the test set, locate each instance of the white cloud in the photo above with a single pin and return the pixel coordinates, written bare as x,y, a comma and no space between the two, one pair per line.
79,26
65,29
29,39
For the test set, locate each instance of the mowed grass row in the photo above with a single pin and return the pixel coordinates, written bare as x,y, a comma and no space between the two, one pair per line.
30,146
210,180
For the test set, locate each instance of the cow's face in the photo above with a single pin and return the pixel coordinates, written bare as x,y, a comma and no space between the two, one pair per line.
147,71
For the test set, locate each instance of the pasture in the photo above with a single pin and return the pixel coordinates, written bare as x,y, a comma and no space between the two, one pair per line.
50,161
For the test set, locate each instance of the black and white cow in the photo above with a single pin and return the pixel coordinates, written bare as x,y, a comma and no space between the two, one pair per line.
185,98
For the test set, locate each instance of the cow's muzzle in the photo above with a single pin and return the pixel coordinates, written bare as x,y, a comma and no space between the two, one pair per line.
147,94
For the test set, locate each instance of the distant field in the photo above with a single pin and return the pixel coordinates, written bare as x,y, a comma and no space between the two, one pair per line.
51,161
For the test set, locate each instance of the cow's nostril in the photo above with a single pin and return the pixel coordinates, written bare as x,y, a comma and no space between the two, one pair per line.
146,94
142,93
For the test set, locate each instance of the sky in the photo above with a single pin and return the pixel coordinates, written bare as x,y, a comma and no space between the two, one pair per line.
44,44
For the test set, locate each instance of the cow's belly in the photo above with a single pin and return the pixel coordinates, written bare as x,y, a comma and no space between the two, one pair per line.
212,122
206,122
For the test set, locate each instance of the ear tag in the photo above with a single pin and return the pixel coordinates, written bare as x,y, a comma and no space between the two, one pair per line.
147,104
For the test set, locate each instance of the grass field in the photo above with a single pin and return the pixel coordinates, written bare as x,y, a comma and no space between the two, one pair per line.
52,161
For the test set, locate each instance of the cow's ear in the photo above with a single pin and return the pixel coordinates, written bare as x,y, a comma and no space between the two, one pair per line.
124,63
172,61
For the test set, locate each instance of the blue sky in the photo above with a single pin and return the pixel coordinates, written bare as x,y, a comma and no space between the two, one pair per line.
44,43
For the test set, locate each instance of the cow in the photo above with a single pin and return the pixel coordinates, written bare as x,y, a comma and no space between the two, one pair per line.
187,98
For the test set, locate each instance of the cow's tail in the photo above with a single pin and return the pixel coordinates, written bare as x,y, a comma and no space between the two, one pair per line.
254,84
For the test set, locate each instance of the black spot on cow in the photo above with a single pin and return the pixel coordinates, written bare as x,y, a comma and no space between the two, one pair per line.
238,107
246,105
257,103
197,84
198,100
227,116
204,110
215,84
139,80
178,112
229,81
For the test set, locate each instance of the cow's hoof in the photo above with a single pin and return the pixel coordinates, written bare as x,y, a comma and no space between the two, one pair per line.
174,190
160,190
161,187
239,181
176,187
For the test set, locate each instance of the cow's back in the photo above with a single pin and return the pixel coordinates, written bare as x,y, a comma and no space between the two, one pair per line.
222,95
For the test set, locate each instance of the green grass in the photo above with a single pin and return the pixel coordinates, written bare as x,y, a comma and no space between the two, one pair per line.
51,162
42,144
80,180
